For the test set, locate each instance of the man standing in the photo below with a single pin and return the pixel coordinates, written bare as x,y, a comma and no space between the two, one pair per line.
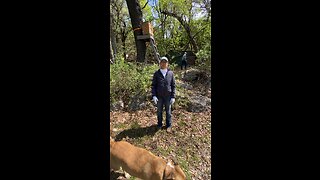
184,61
163,92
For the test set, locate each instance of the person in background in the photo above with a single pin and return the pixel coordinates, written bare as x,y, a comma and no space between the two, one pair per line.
163,92
184,61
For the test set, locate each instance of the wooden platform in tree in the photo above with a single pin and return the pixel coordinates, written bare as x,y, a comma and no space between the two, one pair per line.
147,36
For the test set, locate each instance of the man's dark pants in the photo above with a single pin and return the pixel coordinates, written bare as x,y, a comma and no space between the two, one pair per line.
164,101
183,63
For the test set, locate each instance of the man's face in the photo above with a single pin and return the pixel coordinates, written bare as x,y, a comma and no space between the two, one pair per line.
163,64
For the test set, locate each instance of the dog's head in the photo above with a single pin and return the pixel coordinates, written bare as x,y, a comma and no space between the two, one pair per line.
173,171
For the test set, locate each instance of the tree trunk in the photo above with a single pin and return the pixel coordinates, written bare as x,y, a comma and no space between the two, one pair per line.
113,37
124,35
123,39
186,27
136,21
111,53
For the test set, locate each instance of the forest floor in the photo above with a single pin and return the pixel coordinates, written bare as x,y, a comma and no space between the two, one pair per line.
189,142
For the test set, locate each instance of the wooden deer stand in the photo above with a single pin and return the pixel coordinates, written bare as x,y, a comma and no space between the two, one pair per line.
147,31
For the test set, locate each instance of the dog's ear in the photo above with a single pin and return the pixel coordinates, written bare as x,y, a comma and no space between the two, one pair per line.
175,162
173,159
179,173
170,176
169,171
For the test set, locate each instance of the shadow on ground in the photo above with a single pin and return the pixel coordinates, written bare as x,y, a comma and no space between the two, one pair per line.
137,132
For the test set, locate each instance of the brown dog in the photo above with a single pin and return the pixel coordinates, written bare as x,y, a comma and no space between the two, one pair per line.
141,163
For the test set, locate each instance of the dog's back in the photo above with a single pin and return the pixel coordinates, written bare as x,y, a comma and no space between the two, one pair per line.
133,160
139,162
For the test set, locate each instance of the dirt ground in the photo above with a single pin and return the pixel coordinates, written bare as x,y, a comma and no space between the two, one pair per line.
189,142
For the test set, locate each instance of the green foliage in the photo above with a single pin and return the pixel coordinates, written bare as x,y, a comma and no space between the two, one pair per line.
173,67
204,59
129,79
135,125
171,35
179,6
146,11
168,32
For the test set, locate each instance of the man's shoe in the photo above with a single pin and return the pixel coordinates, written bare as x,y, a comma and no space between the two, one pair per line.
169,129
159,127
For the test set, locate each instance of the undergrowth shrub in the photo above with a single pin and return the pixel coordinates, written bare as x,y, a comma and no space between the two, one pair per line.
129,79
204,62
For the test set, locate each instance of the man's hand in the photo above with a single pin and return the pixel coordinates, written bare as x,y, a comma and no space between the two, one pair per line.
155,99
172,100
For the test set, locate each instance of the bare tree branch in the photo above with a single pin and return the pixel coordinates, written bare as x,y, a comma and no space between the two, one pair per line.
185,48
145,4
185,25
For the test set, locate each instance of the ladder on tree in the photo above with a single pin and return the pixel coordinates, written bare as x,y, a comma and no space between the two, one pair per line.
147,31
152,44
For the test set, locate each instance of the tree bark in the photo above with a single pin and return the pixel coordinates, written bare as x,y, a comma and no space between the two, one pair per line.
113,38
111,53
136,21
123,40
186,27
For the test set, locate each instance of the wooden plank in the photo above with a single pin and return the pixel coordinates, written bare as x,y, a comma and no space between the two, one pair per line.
144,36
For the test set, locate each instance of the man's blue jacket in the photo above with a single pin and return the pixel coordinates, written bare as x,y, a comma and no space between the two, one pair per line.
163,86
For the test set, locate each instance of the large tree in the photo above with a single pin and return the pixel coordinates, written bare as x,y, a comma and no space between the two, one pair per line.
113,45
119,18
136,21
